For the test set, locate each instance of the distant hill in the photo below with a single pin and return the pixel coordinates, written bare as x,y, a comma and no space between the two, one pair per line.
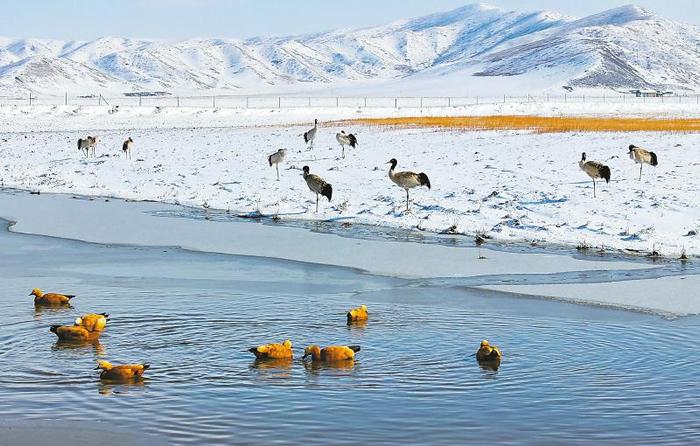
467,50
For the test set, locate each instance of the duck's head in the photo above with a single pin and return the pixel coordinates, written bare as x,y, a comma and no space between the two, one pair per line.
363,307
287,343
79,321
393,163
312,350
485,344
36,292
632,147
104,365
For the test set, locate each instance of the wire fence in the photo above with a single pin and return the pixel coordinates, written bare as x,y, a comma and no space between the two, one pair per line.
272,102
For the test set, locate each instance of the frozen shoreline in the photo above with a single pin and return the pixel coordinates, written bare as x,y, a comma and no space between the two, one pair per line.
510,186
132,223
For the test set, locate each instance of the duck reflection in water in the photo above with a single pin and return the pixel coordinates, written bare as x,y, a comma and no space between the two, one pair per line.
272,364
491,365
44,310
317,367
108,388
100,349
359,325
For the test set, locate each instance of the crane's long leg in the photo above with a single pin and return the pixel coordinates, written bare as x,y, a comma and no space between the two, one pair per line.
407,201
593,187
343,146
277,166
316,203
640,170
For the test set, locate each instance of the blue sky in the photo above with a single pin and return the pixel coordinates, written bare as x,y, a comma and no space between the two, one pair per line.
181,19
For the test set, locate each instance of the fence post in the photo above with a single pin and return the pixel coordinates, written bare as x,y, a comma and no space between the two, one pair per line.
504,99
247,102
449,101
477,100
99,99
139,100
309,101
213,101
279,101
337,102
421,102
30,98
365,102
565,98
178,101
584,97
396,102
65,100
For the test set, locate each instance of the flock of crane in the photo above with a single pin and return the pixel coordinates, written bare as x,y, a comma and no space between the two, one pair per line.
89,327
406,180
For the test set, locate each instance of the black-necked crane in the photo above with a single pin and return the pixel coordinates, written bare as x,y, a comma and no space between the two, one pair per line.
407,180
317,185
310,135
594,169
126,147
642,157
87,145
276,158
346,139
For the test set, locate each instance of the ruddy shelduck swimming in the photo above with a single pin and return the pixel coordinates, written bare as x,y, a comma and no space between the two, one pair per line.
331,353
357,314
50,299
74,333
127,372
488,352
273,351
93,321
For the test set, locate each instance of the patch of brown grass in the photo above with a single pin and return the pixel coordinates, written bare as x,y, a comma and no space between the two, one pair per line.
541,124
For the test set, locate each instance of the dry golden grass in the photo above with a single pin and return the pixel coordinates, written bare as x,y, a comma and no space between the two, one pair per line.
542,124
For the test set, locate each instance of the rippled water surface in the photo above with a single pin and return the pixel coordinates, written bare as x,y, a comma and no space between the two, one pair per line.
571,374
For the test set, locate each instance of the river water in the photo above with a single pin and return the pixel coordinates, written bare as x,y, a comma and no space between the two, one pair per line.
572,374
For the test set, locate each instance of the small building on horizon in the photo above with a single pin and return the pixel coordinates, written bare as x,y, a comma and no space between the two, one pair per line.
650,93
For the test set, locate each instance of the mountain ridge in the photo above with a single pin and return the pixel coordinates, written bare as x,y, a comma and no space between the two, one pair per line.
621,48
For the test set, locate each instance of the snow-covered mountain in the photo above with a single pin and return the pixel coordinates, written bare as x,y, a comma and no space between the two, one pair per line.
454,52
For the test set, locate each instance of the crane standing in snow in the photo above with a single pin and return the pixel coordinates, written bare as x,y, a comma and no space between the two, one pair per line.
642,157
126,147
276,158
87,145
310,135
407,180
317,185
594,169
346,139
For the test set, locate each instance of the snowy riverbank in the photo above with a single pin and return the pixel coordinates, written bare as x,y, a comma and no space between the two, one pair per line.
509,186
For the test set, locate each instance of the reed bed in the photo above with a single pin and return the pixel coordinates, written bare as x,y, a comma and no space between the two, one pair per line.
542,124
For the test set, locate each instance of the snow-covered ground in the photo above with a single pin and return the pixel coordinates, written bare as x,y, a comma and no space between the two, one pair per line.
510,186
